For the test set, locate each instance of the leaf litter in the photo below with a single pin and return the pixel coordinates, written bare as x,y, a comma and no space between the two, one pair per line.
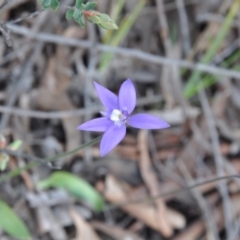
40,77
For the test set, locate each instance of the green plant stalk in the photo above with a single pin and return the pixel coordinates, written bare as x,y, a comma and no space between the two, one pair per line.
209,80
214,47
123,30
28,166
232,59
115,13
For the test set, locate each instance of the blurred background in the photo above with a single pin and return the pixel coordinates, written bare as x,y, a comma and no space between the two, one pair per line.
183,57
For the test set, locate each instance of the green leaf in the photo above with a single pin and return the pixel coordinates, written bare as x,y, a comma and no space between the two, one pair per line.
92,16
46,4
4,158
78,4
14,146
106,22
79,18
76,186
90,6
11,223
115,13
54,4
69,14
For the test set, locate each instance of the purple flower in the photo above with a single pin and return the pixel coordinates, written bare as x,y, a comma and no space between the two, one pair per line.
117,115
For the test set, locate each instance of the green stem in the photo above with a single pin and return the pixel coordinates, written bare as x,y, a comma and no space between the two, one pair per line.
28,166
194,78
122,32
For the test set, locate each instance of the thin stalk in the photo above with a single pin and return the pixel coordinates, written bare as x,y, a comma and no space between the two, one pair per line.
28,166
171,193
214,47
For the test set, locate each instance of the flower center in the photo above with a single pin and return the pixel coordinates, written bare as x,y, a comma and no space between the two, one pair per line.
119,117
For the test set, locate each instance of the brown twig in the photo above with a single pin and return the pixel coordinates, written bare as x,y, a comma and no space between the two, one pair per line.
131,53
88,83
172,193
5,35
210,223
152,184
19,86
184,26
32,15
218,159
71,113
213,17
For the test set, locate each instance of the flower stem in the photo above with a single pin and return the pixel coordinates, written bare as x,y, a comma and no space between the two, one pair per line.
30,165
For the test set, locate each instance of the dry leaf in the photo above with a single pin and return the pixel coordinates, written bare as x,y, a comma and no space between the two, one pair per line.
115,232
151,182
114,193
84,229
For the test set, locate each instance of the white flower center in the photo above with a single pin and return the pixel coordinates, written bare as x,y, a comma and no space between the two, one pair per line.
116,116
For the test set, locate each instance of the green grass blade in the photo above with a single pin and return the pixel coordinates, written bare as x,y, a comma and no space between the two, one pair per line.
123,30
209,80
232,59
214,47
115,14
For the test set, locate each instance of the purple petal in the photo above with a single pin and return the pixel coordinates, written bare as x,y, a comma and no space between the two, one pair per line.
108,99
96,125
111,138
127,96
146,121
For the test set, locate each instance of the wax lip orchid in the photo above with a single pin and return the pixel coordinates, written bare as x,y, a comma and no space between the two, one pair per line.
118,115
